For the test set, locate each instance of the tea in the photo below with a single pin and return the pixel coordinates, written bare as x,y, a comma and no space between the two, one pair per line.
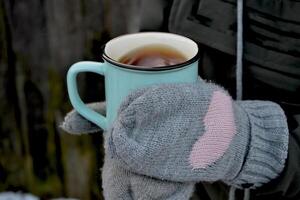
155,55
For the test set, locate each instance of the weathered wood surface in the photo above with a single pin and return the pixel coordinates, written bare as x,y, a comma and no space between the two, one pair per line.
39,40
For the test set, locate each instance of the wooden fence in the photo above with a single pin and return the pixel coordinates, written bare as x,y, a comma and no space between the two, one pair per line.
39,40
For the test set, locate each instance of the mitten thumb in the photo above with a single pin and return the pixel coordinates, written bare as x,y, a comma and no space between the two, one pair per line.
74,123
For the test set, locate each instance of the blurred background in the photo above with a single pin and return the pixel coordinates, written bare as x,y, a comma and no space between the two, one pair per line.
39,41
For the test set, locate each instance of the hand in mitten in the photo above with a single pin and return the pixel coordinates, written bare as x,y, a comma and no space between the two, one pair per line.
120,183
196,132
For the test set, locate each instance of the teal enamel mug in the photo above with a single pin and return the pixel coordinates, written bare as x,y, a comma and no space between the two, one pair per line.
121,79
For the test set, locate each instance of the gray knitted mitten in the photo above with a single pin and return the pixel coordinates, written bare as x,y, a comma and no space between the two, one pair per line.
75,124
120,183
196,132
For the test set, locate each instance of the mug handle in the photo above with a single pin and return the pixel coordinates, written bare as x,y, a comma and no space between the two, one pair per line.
85,66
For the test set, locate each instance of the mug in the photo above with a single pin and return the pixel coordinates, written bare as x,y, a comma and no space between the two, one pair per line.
121,79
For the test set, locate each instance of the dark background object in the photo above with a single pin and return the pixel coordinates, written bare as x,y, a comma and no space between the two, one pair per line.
39,40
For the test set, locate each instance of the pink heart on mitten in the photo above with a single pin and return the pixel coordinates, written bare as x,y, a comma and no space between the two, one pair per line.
219,131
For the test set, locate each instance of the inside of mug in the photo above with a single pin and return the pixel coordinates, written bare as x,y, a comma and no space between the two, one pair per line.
122,45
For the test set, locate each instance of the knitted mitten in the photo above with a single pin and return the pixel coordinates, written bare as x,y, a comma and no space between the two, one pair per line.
75,124
196,132
120,183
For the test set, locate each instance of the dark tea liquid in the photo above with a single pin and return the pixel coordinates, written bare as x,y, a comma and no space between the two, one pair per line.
155,55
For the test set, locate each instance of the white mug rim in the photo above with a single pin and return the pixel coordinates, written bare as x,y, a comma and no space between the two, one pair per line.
109,59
